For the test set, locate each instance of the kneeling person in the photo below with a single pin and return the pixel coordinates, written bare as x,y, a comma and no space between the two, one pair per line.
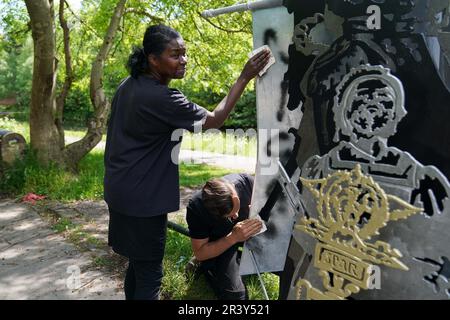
218,223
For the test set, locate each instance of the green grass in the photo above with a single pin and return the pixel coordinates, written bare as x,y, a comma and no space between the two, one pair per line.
63,224
255,292
23,127
192,175
177,285
57,184
220,142
103,262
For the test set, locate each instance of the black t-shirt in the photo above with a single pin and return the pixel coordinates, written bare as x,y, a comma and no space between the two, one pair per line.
141,179
203,224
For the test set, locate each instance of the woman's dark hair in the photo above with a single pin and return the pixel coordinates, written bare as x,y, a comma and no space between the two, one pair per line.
155,42
217,197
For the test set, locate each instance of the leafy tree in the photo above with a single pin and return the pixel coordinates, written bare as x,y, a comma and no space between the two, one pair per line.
46,130
15,52
16,71
83,68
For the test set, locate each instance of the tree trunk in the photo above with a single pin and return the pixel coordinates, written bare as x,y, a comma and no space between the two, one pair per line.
47,138
61,99
43,131
76,151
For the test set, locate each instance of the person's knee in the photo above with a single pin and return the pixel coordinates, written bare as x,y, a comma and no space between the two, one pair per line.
231,288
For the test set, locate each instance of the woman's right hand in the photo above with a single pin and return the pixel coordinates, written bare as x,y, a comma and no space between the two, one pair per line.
255,64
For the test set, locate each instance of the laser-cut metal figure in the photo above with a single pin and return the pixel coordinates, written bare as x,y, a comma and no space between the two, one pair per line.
368,106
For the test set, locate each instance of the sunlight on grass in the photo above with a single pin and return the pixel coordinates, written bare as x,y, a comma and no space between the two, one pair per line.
23,128
10,124
237,142
197,174
176,283
232,142
255,291
79,133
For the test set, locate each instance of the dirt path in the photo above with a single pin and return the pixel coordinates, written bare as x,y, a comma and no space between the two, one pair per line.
36,262
47,247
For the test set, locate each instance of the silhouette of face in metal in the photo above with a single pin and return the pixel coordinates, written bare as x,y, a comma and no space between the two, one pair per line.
369,103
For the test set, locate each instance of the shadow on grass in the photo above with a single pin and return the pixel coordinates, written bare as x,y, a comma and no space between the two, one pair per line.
199,289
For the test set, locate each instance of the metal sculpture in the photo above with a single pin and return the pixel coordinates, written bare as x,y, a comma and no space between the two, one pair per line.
353,191
337,96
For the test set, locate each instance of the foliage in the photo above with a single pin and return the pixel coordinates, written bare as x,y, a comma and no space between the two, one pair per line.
217,51
244,114
16,52
16,73
14,29
217,55
78,107
27,176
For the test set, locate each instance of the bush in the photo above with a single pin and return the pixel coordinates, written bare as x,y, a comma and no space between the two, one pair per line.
243,115
78,108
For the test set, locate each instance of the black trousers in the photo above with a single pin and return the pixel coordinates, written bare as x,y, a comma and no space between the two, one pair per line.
142,241
222,274
143,280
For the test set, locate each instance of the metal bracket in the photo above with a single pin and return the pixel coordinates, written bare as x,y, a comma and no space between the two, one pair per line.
289,189
259,275
253,6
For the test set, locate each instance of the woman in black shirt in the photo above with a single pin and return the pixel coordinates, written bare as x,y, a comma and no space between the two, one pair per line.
141,182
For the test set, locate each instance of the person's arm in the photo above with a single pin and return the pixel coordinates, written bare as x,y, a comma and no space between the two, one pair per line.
204,250
254,65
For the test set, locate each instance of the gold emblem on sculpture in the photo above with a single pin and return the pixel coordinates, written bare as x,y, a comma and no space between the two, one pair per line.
351,209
